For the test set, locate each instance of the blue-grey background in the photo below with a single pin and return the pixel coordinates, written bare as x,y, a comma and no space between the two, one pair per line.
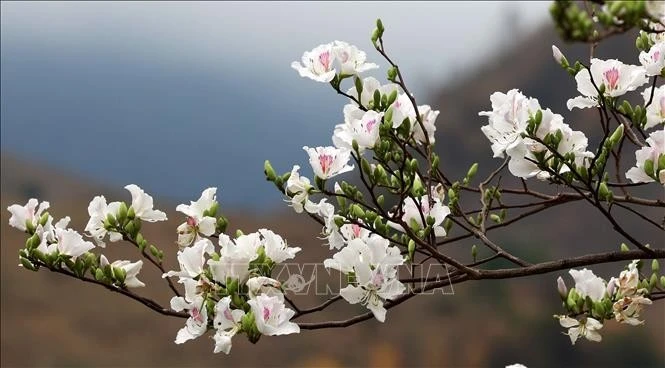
179,96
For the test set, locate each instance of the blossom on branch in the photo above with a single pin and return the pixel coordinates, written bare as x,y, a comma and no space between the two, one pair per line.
200,218
612,76
328,162
650,164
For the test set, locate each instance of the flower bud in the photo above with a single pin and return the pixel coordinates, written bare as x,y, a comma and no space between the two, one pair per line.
624,247
472,171
122,212
44,218
655,266
611,286
474,252
559,57
269,171
562,288
617,135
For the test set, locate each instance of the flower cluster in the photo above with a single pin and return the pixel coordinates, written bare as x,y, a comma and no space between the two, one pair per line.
594,300
230,290
537,140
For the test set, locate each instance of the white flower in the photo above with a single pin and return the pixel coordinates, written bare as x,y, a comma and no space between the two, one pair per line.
298,187
227,323
617,77
656,110
98,211
654,60
627,309
272,317
354,231
402,109
653,152
587,328
235,257
588,284
330,230
363,127
196,221
508,119
142,205
561,287
328,162
197,323
523,154
351,59
371,84
131,270
374,264
276,248
192,259
628,280
317,64
428,117
22,215
414,212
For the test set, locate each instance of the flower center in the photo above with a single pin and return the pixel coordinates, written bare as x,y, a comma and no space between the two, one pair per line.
266,313
228,315
656,56
612,77
196,315
191,221
356,230
324,59
370,124
325,161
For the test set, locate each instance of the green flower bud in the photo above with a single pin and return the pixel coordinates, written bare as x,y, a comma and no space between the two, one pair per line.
222,224
359,84
122,213
474,252
662,281
655,266
624,247
119,274
99,275
604,192
496,218
131,214
617,135
357,211
44,218
652,281
411,248
269,171
380,200
392,74
27,264
472,171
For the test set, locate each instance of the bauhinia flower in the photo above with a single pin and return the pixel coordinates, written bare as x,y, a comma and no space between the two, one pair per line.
627,309
227,323
628,280
508,119
655,110
428,117
351,59
198,220
276,248
616,77
131,270
369,85
264,285
317,64
374,264
414,212
362,128
28,215
142,205
192,259
654,60
297,187
325,61
197,323
98,211
68,242
587,328
272,317
650,164
588,284
328,162
330,229
235,257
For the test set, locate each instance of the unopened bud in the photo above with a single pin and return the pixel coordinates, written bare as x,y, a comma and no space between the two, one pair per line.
562,288
559,57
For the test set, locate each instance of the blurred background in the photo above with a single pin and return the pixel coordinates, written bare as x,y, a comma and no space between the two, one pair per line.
179,96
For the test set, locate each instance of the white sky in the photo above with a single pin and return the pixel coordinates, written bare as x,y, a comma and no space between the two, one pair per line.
428,39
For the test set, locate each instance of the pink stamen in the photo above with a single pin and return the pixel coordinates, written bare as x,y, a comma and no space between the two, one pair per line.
196,315
356,230
324,59
370,124
191,221
612,77
266,313
378,279
325,161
